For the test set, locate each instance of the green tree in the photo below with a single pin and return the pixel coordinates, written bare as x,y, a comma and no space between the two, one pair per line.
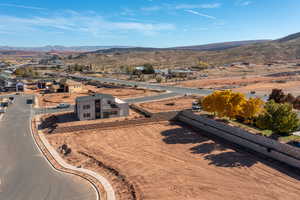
148,69
277,95
279,118
159,79
20,72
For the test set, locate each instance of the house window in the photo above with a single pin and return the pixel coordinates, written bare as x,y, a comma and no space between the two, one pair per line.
86,115
86,107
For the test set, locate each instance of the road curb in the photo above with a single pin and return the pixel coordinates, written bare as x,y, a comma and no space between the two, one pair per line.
101,185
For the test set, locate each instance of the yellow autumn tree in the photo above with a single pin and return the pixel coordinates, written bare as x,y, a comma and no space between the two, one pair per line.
233,104
209,103
251,109
224,103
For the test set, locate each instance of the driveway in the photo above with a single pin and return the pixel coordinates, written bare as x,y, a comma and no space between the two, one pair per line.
24,172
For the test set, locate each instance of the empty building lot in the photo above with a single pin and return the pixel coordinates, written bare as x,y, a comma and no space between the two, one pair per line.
53,99
171,162
172,104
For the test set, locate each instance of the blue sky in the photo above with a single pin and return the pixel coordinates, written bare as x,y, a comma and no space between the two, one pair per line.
152,23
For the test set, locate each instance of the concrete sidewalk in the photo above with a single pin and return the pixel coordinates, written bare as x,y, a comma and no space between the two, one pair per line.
110,193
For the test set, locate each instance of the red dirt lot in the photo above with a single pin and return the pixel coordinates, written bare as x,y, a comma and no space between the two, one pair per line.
123,93
53,99
232,81
173,104
266,88
170,162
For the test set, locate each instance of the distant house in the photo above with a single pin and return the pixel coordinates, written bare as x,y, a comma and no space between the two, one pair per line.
55,88
20,87
163,72
100,106
181,73
71,86
43,84
139,68
8,84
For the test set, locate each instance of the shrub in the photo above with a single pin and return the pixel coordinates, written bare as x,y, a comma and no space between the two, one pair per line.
159,79
277,95
289,98
280,118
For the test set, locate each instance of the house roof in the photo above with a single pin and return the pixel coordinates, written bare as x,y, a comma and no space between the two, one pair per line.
4,76
95,96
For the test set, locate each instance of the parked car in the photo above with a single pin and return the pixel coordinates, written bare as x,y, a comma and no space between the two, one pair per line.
63,105
295,143
29,101
196,106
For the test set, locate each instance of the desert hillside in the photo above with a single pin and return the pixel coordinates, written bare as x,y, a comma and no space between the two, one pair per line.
287,48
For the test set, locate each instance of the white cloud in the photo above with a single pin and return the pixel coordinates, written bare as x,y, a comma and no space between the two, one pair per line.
194,6
180,7
127,12
78,23
200,14
243,3
152,8
20,6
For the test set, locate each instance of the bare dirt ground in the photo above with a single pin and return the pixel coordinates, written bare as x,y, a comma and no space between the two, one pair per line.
123,93
266,88
260,84
171,162
52,99
173,104
233,81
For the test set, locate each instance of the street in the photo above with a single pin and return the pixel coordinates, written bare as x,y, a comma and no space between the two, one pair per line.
174,89
24,172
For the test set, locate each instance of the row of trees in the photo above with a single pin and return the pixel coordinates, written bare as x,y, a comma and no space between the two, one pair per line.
148,69
277,117
26,72
280,97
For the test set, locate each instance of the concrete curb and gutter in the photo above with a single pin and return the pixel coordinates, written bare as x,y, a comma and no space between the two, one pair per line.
64,167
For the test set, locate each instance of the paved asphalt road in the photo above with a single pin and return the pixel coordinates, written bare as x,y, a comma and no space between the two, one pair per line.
152,98
24,172
174,89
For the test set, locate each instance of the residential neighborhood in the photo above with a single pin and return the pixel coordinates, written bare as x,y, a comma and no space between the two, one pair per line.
149,100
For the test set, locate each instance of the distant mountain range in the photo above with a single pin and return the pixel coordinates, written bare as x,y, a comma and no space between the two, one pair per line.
107,49
59,48
254,51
